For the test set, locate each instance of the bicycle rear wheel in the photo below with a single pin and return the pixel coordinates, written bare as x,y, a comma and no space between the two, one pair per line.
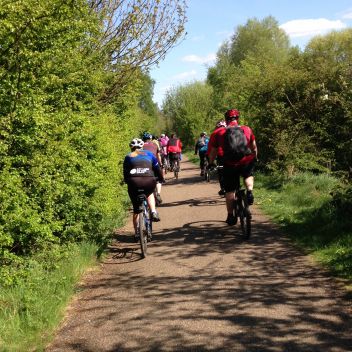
176,170
149,225
143,232
245,219
207,175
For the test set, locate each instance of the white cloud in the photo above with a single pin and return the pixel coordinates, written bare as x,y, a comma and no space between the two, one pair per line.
200,59
347,15
185,75
310,27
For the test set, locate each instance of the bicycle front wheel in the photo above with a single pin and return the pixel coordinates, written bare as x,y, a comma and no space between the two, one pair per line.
143,233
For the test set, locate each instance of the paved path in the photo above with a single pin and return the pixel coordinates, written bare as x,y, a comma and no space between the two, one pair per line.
203,288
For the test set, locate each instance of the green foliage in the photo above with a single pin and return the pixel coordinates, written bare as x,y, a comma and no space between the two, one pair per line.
61,149
31,310
315,210
297,103
189,108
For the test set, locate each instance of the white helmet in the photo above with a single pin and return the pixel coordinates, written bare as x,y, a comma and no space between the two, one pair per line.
136,143
162,135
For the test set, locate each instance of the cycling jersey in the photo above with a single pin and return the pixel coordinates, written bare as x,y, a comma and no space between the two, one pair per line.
163,141
174,146
217,140
141,163
152,147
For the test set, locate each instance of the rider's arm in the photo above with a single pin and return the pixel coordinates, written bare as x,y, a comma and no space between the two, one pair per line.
157,170
212,155
254,148
126,170
159,158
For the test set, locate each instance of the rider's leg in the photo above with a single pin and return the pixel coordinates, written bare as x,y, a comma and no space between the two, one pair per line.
247,174
249,183
151,202
230,197
135,221
201,162
158,191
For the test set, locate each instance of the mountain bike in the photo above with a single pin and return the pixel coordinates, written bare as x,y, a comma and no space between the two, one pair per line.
144,229
241,211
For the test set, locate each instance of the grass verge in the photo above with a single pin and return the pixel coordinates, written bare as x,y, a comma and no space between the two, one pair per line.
315,212
32,309
191,157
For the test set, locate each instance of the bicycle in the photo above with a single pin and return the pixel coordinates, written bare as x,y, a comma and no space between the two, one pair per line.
144,229
241,211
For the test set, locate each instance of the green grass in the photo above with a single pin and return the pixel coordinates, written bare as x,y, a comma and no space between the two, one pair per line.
315,212
191,157
32,309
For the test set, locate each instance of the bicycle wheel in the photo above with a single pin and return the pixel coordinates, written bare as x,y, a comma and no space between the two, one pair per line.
143,232
176,170
245,219
149,225
207,175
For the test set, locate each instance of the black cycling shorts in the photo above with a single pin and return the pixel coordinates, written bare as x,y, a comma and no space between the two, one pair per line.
232,175
138,186
174,156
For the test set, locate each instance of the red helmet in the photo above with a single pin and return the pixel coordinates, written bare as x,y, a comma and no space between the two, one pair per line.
230,114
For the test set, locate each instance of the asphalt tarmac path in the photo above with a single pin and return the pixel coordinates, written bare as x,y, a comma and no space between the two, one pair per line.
204,288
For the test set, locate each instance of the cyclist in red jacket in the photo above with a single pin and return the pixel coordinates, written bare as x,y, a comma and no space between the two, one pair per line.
234,168
174,150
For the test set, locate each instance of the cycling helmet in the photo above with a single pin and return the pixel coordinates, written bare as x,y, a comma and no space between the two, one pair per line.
136,143
146,136
203,134
162,135
232,113
220,123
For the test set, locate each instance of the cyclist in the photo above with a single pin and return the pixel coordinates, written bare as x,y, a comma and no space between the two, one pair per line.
233,169
155,149
174,150
201,148
140,170
219,159
155,140
163,145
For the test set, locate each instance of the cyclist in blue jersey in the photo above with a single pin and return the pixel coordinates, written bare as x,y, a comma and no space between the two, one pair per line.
201,148
140,171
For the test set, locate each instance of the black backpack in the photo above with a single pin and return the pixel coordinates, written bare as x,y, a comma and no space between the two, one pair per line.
235,144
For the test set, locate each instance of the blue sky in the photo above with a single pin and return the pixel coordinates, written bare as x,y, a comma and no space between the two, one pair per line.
211,22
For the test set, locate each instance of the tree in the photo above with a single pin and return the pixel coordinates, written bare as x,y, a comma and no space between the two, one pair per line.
136,35
189,107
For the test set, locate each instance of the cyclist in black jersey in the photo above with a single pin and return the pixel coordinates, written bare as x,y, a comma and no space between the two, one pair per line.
141,170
